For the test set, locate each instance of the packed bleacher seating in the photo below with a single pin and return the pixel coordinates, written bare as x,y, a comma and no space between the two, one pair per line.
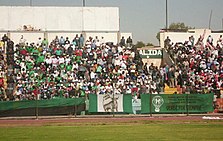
74,68
2,76
3,68
65,68
199,66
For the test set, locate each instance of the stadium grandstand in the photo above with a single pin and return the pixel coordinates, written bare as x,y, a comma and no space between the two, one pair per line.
78,64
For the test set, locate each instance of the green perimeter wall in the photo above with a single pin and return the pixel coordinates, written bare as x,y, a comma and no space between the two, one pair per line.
61,102
164,103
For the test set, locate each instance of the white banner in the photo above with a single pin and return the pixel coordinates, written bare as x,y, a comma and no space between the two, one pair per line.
105,103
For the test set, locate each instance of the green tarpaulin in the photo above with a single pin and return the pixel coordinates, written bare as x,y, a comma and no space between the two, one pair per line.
62,102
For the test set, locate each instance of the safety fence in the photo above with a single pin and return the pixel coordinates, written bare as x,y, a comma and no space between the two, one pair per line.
111,104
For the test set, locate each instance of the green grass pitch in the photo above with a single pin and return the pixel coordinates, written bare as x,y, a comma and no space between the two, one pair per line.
132,131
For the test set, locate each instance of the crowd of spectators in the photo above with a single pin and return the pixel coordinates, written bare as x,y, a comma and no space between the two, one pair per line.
2,75
3,67
74,68
68,68
199,65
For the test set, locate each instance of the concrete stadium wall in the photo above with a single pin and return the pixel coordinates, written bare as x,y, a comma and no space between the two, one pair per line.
156,62
126,35
2,34
50,22
51,36
108,37
32,36
216,37
174,36
184,36
60,18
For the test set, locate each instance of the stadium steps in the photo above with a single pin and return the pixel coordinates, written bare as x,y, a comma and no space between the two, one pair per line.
5,82
167,59
220,106
168,90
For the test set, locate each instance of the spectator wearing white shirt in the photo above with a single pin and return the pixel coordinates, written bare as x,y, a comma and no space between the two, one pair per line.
22,41
55,61
61,60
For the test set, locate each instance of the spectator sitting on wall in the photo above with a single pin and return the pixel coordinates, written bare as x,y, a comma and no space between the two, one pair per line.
5,38
81,40
129,42
167,42
122,42
22,41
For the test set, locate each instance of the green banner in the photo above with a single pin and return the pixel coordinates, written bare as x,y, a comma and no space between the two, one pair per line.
61,102
178,103
93,106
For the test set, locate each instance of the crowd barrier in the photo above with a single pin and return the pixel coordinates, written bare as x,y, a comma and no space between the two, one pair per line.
111,103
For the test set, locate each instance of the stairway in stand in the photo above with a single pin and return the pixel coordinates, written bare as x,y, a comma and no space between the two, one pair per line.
168,90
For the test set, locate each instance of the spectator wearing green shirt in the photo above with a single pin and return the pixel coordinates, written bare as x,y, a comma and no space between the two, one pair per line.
45,42
58,52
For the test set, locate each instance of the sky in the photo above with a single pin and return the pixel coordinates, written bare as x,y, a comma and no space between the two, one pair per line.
144,18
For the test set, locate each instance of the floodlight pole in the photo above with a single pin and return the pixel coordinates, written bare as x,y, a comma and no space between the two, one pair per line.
222,24
166,15
30,2
209,26
83,3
